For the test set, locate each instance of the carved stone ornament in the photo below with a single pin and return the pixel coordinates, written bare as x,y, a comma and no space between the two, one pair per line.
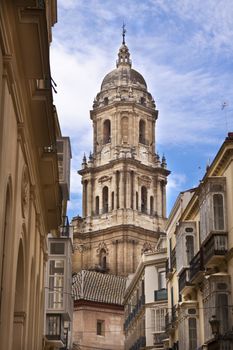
25,189
101,246
147,248
105,178
144,180
80,247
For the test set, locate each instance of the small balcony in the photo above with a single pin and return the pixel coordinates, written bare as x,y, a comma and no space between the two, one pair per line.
55,335
65,227
160,295
184,281
173,259
158,339
170,319
214,249
221,342
196,267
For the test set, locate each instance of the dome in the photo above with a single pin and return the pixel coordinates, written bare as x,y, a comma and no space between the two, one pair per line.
123,75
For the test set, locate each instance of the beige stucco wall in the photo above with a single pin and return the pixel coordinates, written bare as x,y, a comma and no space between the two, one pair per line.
24,219
84,327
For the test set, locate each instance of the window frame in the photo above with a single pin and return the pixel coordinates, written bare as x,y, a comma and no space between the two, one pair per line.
100,328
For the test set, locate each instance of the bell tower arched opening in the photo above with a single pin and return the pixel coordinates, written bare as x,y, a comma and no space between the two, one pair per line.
105,199
142,131
107,131
143,199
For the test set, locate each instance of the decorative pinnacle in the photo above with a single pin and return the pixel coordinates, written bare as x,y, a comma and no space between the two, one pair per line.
84,159
123,33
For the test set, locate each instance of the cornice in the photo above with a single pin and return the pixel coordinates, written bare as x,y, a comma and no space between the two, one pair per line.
125,228
95,304
114,105
156,171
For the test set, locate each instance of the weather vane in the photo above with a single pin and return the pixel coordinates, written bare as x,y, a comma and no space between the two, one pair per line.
123,33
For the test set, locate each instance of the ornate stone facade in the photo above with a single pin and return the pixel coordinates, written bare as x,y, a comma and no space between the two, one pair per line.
124,180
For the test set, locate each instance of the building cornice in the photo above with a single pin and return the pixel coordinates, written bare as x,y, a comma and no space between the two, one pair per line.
128,161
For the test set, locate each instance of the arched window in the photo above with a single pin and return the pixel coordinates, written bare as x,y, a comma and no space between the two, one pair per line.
125,129
105,199
136,200
97,205
189,248
142,131
218,211
107,131
103,259
151,205
144,199
106,101
112,200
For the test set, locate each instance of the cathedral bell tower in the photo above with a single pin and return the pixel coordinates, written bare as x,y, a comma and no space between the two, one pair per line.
124,180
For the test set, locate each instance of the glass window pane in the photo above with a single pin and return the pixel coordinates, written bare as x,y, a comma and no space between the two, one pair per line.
57,248
218,212
192,333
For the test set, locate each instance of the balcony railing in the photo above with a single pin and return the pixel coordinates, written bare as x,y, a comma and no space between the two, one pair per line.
137,308
159,338
160,294
170,319
173,258
184,279
196,265
64,227
55,328
216,245
139,344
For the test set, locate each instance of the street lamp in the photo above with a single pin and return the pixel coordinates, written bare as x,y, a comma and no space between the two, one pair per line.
215,325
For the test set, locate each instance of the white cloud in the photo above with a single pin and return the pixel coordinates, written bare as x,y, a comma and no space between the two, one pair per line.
176,181
181,47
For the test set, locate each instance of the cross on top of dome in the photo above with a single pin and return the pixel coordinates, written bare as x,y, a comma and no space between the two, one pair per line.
123,54
123,33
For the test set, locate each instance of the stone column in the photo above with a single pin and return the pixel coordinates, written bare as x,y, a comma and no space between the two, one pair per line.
84,199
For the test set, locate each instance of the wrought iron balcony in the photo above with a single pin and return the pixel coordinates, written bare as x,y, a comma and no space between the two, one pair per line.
184,279
216,247
159,338
137,308
221,342
65,227
55,330
173,258
160,294
196,266
170,319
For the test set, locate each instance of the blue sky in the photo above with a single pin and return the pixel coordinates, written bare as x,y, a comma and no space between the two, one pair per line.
184,50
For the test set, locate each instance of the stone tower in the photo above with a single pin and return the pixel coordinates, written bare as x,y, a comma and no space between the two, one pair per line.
124,180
